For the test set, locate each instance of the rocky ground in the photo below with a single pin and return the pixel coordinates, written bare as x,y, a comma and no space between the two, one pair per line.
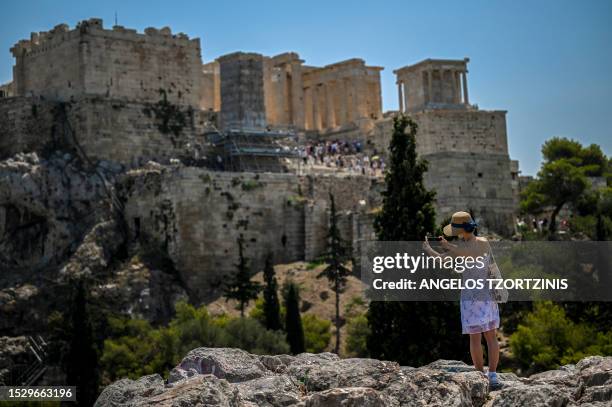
232,377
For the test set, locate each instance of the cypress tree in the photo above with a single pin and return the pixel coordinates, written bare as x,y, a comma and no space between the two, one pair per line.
293,321
407,213
337,255
240,287
411,333
81,363
271,305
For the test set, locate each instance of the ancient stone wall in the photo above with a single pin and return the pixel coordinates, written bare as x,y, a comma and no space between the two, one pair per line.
132,133
198,216
129,133
26,125
118,63
477,182
210,87
473,131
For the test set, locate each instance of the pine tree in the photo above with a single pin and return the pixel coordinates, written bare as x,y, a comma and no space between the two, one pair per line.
411,333
271,305
338,253
240,287
293,320
81,363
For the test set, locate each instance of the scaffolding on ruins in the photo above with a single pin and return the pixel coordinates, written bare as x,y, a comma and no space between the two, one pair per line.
252,150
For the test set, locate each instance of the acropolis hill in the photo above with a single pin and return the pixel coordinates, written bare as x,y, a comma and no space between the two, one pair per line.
113,140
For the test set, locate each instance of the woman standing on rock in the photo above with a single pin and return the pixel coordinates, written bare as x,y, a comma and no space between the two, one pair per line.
479,310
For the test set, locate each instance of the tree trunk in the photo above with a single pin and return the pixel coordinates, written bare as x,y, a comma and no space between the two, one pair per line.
337,289
552,226
600,231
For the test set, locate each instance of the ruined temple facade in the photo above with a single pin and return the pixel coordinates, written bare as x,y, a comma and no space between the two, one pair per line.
433,83
302,97
130,98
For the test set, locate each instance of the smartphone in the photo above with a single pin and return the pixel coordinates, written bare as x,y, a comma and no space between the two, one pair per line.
434,238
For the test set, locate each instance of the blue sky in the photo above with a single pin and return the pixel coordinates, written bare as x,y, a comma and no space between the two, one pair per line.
549,63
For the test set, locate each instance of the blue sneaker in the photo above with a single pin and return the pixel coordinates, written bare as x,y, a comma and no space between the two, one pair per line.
494,383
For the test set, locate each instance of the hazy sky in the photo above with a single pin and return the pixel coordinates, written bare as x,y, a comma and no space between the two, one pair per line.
548,63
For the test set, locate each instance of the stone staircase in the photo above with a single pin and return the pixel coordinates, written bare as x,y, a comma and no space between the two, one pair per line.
32,373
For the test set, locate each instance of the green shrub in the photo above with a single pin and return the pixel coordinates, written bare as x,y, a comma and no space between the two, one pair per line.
257,312
317,333
250,335
314,264
195,328
250,184
135,349
547,338
296,200
357,331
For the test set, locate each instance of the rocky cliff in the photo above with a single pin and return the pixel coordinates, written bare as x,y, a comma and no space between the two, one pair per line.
232,377
56,225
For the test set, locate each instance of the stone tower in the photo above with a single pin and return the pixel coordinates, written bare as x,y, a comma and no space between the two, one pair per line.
242,91
89,60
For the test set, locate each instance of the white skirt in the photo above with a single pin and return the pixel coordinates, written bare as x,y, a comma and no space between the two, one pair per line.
479,316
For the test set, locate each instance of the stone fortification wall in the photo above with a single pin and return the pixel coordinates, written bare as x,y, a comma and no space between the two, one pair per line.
26,125
132,133
469,165
198,216
129,133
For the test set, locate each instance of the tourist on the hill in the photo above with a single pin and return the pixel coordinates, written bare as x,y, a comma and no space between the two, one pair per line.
479,310
219,163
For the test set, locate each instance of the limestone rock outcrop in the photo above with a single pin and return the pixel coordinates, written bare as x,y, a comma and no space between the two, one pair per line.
46,204
12,350
233,377
56,225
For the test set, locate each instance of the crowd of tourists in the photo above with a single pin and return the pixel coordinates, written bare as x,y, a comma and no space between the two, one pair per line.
341,155
539,225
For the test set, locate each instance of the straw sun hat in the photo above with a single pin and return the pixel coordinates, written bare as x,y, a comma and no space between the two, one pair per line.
460,221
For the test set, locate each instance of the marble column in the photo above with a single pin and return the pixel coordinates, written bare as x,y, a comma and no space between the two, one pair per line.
330,117
454,82
466,98
357,98
429,87
316,107
400,93
308,108
343,102
297,95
